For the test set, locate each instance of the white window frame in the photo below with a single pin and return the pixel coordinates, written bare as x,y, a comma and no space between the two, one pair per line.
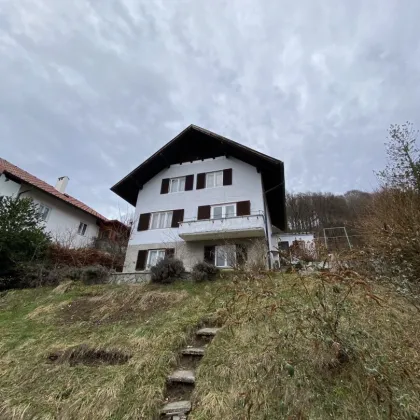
164,220
178,182
223,206
160,255
82,229
214,176
41,209
229,252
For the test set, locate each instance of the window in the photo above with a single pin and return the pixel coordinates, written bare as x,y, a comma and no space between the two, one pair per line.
43,211
225,256
214,179
223,211
154,256
284,246
82,229
177,185
161,220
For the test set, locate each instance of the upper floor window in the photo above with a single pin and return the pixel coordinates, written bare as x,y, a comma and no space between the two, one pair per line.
82,229
177,184
214,179
223,211
43,211
161,220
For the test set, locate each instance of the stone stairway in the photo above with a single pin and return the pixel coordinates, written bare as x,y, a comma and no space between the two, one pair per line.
180,383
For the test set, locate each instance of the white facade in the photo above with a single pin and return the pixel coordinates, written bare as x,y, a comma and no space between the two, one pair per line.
190,238
63,219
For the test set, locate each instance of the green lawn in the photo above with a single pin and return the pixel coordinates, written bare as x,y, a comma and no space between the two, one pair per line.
278,355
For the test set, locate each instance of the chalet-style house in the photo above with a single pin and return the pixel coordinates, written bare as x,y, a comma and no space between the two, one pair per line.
205,197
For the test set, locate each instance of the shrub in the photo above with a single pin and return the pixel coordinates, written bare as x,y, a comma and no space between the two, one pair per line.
95,274
22,238
82,257
167,270
204,271
391,230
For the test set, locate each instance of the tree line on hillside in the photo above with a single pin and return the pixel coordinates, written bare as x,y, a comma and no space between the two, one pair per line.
314,211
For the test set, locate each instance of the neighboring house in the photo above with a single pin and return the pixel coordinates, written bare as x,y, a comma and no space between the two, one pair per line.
286,240
68,220
204,197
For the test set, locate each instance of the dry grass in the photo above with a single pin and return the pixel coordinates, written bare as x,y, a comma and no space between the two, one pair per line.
148,323
280,354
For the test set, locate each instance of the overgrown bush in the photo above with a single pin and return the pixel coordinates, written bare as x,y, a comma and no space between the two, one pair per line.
167,270
22,238
204,271
83,257
391,227
392,233
93,274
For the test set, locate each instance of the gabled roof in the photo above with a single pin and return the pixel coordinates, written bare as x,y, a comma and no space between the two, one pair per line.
195,143
20,175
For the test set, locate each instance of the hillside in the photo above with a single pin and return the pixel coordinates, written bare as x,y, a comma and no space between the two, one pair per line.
290,347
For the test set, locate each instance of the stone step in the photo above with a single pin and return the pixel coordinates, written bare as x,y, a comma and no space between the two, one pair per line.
177,407
208,332
193,351
182,376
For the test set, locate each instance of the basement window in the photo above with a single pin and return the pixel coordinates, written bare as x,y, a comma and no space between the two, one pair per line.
284,246
82,229
154,256
225,256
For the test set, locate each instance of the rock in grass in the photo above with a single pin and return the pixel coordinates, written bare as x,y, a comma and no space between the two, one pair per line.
177,407
182,376
209,332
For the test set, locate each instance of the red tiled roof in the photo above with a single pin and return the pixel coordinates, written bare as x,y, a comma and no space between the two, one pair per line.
26,177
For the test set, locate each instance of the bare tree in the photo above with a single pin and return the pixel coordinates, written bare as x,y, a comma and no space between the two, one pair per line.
403,159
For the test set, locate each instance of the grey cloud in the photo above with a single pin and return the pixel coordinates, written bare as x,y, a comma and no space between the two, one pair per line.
90,89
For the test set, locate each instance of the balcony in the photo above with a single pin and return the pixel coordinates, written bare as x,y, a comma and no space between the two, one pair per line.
228,228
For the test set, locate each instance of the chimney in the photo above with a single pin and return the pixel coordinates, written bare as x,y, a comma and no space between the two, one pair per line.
61,184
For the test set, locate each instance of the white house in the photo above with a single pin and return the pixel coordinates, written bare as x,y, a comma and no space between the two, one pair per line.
305,240
68,220
204,197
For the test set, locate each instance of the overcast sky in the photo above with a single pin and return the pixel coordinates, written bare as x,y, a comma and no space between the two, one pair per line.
91,88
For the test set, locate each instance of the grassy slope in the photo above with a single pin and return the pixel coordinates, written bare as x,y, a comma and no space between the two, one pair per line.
274,359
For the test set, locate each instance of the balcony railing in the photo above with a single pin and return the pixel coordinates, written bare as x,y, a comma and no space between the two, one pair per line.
227,228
